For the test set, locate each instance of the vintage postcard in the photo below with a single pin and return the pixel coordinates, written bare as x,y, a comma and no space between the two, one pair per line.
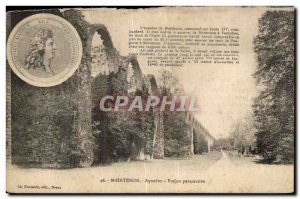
154,100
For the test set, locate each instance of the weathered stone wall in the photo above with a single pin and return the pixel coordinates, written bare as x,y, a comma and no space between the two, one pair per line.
159,140
83,99
201,140
8,98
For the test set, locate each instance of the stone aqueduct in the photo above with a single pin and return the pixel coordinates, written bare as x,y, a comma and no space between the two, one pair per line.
197,132
200,138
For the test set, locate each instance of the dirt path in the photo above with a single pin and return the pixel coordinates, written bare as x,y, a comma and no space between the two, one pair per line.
244,175
219,174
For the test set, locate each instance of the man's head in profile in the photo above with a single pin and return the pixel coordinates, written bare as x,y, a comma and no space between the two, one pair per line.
42,51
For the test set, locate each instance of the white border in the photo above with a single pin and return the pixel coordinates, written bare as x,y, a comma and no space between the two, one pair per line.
152,2
4,3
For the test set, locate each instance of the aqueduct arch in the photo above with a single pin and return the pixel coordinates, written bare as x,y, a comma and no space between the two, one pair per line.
200,138
107,42
131,62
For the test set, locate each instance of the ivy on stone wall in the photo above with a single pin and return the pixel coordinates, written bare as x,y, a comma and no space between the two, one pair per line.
177,142
120,135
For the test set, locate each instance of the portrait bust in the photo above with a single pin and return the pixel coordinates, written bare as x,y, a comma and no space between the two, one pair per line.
41,52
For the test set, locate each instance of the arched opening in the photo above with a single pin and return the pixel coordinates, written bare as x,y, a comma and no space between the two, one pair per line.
100,37
202,144
99,59
195,143
134,74
152,85
102,64
132,85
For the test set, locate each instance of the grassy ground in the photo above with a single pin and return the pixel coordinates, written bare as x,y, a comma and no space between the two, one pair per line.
242,160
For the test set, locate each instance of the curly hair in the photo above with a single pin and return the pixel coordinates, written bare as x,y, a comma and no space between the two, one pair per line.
34,59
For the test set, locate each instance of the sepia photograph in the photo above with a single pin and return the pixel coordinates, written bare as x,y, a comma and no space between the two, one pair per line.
157,100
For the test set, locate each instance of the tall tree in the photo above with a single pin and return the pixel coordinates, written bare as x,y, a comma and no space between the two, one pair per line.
169,84
275,75
176,138
243,134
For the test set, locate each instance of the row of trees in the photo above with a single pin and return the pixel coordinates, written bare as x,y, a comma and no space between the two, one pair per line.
177,142
243,137
275,75
269,130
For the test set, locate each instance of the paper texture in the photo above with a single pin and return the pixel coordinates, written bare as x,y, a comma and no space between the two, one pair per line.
156,100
